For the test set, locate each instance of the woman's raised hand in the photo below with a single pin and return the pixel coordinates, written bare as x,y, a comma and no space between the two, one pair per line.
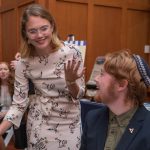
72,70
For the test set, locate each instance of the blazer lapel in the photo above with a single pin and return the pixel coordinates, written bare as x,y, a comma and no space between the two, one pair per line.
132,129
102,127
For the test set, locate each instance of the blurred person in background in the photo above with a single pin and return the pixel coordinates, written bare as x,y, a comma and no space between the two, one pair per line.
6,88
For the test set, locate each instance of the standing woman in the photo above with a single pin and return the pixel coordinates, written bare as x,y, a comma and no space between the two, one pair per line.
6,88
57,72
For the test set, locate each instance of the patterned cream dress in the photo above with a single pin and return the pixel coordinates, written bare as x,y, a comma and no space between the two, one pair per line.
53,121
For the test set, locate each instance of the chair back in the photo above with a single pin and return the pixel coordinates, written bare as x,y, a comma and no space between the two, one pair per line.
86,106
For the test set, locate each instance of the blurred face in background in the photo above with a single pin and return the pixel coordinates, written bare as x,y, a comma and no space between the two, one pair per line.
4,71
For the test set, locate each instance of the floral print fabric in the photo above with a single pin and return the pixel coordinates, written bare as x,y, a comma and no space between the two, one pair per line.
54,116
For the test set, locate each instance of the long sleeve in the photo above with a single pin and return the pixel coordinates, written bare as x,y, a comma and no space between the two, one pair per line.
20,97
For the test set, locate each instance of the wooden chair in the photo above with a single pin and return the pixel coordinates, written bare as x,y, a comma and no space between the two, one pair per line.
86,106
2,145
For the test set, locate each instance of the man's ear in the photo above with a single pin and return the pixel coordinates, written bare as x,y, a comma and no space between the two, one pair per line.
122,84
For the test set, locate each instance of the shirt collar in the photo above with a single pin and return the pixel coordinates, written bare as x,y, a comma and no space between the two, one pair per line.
123,119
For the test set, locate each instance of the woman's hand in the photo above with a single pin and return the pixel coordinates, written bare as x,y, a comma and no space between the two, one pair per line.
13,64
72,73
71,70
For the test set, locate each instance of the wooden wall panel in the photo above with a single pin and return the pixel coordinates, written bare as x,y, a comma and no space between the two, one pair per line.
10,27
9,37
24,2
75,1
106,25
44,3
0,33
20,10
137,30
113,3
106,33
71,18
8,3
107,30
142,2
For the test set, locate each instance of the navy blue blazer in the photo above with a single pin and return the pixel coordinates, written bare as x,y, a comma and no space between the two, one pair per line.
135,137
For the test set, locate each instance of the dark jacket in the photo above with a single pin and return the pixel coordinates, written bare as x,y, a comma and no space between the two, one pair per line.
96,126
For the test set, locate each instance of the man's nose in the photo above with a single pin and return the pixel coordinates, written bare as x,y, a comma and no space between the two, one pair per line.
96,78
3,72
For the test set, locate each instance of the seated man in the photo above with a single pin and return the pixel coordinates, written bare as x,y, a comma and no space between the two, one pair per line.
123,124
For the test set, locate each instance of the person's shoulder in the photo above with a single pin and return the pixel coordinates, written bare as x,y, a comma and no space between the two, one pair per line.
143,113
29,59
148,114
24,62
97,112
144,118
96,115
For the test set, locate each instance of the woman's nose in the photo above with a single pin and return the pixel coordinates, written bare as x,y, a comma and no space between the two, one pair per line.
39,33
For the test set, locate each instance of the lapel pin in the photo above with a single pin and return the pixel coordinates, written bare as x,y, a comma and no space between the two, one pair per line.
131,130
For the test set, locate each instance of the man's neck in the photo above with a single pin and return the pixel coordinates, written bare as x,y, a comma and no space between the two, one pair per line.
120,107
